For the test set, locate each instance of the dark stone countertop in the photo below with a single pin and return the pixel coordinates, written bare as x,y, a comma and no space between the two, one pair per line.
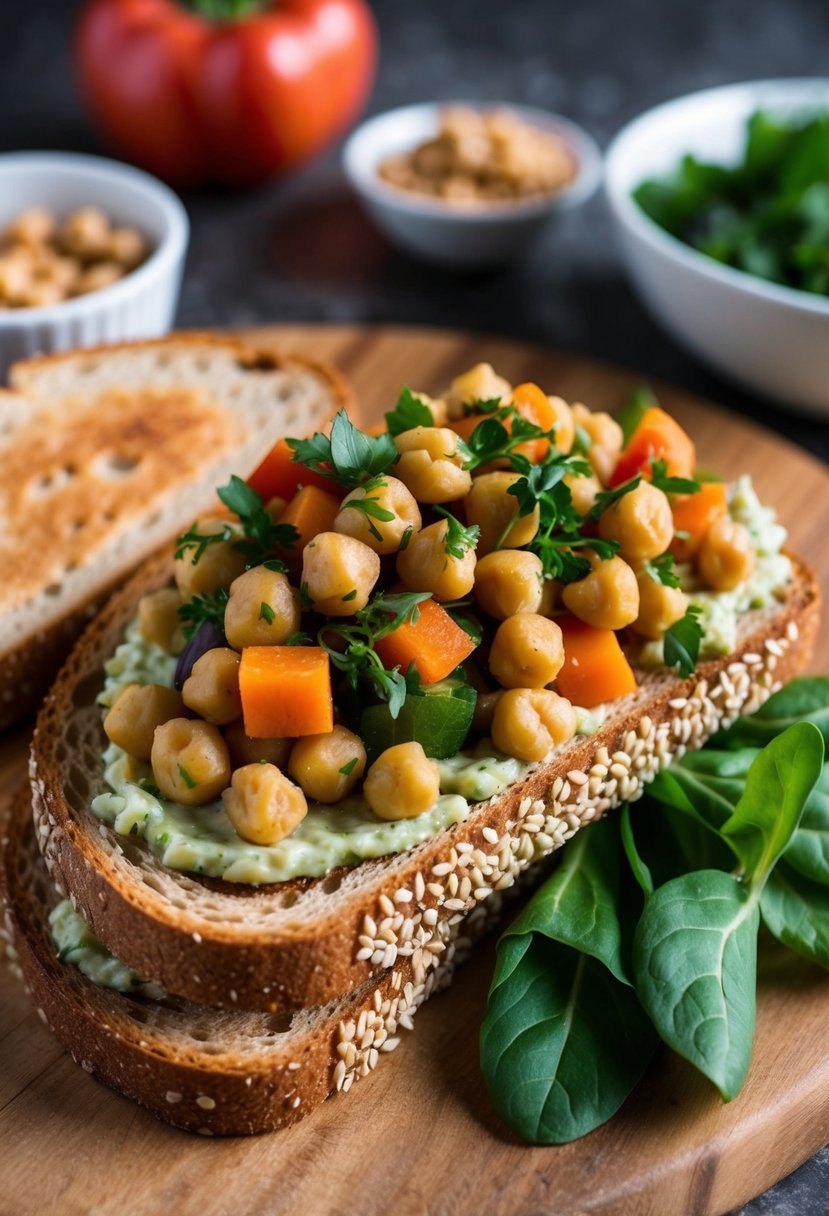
300,250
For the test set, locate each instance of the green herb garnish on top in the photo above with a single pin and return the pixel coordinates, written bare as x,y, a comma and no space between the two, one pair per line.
349,456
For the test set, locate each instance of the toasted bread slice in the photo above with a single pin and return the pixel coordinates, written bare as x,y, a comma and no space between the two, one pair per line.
306,942
106,453
206,1070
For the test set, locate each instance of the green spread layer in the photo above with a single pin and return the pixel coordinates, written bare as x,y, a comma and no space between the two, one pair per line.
76,944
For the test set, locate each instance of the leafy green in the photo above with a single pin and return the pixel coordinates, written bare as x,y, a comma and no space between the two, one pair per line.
262,536
803,699
349,456
606,498
796,910
372,508
200,541
695,960
671,485
768,215
459,538
682,642
409,412
777,785
641,399
201,608
662,569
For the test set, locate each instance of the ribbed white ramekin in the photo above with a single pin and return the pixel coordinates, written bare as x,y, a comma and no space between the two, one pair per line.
143,303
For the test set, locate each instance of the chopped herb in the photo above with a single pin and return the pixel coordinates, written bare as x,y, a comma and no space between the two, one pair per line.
297,639
582,443
372,508
163,840
405,538
200,541
409,412
606,498
632,412
482,405
149,788
662,569
201,608
261,535
305,600
350,595
266,613
491,440
348,769
349,456
671,485
186,777
459,539
682,642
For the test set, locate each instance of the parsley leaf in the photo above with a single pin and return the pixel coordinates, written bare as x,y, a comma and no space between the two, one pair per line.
266,613
200,541
671,485
482,405
372,508
297,639
262,535
458,539
409,412
662,569
492,440
201,608
631,413
348,769
682,642
187,778
349,456
606,498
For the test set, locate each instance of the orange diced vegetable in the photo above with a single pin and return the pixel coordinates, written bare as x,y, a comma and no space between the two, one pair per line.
278,476
657,437
532,403
310,511
466,425
595,668
433,643
286,691
376,429
694,515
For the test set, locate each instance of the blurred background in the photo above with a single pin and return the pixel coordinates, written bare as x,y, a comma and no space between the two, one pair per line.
299,248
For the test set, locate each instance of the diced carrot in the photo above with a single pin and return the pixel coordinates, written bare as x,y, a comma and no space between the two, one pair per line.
376,428
279,476
694,515
595,668
465,426
532,403
433,643
310,511
286,691
657,437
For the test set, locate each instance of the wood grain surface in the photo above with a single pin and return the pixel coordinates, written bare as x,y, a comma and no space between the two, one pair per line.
418,1136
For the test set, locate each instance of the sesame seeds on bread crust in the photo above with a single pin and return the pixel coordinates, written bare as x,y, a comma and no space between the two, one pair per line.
305,943
107,453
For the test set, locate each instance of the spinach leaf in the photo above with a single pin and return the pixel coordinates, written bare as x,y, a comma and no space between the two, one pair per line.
803,699
808,852
640,868
409,412
777,785
563,1042
695,960
682,642
796,910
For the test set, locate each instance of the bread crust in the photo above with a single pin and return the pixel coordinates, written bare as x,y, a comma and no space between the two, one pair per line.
28,666
403,906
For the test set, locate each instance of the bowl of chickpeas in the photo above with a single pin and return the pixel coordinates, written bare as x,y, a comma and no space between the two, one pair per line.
467,186
91,251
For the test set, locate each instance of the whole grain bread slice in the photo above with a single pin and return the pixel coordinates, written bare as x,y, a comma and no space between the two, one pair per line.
305,942
212,1071
106,453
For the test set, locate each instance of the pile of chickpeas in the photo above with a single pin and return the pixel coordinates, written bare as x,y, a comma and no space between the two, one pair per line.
483,157
45,261
195,740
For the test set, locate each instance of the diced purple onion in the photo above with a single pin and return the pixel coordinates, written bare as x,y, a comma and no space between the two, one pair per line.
207,637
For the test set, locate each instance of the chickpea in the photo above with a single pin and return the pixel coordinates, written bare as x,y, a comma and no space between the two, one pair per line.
329,766
402,783
263,805
565,427
391,496
263,609
190,761
550,596
212,688
431,465
244,750
529,722
102,274
480,383
606,440
34,226
659,606
41,293
63,272
489,505
426,564
339,573
509,581
158,620
140,708
607,598
217,567
527,651
726,556
16,274
126,246
583,491
641,521
85,233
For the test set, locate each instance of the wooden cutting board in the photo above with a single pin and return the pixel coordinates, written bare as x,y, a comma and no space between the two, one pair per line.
418,1136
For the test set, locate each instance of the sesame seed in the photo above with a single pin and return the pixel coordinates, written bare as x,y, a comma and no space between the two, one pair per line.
197,937
490,835
205,1103
441,869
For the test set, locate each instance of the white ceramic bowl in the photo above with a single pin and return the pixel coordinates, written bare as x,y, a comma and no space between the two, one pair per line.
773,339
143,303
452,234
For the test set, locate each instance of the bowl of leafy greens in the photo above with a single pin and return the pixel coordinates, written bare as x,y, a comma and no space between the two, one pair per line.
721,203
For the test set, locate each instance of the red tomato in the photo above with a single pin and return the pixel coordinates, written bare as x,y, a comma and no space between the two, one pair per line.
234,100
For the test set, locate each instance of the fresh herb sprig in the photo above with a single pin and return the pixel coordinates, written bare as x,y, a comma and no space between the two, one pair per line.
200,609
348,456
200,542
409,412
371,506
492,440
662,569
671,485
459,538
351,647
682,641
262,537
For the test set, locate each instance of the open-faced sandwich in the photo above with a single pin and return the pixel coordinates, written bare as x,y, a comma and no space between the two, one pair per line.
384,676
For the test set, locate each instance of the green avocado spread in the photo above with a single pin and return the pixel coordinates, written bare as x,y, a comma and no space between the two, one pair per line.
76,944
